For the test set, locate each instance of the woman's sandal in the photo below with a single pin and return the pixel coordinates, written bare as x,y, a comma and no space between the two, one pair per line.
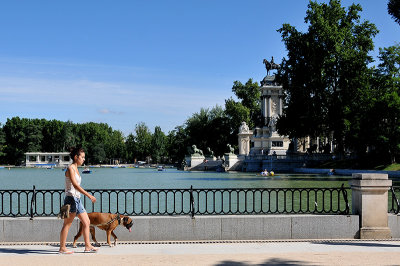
92,250
68,252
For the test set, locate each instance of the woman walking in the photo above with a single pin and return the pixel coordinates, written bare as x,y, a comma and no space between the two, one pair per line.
73,192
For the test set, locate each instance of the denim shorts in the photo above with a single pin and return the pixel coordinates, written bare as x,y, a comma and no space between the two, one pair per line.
76,204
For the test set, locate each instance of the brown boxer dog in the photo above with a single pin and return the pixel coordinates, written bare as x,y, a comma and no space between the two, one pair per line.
107,222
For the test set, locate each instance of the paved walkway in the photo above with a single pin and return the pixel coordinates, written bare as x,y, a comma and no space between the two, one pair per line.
330,252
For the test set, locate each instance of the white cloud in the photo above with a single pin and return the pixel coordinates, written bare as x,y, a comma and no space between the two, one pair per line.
108,111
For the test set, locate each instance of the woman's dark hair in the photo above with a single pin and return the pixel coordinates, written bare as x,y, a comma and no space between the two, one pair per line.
75,151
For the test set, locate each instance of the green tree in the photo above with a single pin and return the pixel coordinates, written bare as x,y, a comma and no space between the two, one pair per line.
15,135
21,135
385,112
394,9
69,135
236,113
115,144
158,145
326,72
209,128
249,97
34,135
177,143
2,145
143,141
98,154
130,147
54,136
196,128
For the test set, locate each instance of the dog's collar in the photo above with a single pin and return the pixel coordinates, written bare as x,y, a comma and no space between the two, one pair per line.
119,219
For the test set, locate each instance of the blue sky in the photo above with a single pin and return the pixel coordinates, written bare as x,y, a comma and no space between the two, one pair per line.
124,62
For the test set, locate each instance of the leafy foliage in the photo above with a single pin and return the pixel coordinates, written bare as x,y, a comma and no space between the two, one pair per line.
384,113
394,10
31,135
158,145
326,72
209,128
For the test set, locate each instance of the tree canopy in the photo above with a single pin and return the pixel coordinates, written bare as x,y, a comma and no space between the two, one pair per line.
326,71
383,116
394,9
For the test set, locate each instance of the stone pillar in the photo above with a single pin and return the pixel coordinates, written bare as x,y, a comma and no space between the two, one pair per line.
269,107
244,143
264,110
370,202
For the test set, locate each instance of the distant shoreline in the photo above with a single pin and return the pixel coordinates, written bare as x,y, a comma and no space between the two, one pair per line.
94,166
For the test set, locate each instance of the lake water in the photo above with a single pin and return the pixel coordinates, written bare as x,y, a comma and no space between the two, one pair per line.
148,178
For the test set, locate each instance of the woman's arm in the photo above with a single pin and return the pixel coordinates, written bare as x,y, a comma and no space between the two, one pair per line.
77,186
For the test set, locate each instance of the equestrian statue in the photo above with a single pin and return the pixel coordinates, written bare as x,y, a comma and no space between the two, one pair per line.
270,65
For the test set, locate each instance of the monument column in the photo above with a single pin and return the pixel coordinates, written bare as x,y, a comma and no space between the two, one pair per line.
269,107
265,106
272,106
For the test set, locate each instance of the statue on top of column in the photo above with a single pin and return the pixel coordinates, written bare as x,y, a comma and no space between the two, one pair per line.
244,128
270,65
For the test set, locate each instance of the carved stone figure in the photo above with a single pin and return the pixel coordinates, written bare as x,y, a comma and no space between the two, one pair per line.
244,128
245,146
273,107
272,123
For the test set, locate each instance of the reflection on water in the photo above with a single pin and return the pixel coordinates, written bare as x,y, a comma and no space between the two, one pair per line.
134,178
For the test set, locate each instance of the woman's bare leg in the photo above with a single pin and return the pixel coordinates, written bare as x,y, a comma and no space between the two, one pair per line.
64,231
85,230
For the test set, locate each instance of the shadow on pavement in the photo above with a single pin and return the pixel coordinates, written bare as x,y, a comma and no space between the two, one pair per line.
23,251
360,244
282,262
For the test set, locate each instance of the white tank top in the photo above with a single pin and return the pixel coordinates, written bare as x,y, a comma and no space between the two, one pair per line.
70,189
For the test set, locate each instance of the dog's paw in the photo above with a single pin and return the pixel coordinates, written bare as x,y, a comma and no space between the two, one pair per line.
97,244
74,246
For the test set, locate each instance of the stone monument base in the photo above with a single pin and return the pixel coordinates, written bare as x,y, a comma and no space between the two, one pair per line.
194,160
233,162
375,233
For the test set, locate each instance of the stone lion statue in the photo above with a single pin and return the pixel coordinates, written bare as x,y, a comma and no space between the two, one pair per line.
196,150
231,149
210,153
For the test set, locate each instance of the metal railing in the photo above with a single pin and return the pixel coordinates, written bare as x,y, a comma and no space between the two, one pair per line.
158,202
213,201
393,201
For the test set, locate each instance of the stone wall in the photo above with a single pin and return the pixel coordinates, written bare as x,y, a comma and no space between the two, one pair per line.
228,227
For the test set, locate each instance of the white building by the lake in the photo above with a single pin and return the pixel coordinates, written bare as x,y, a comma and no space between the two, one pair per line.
41,159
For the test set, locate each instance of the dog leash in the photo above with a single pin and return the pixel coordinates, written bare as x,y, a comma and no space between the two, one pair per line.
109,222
